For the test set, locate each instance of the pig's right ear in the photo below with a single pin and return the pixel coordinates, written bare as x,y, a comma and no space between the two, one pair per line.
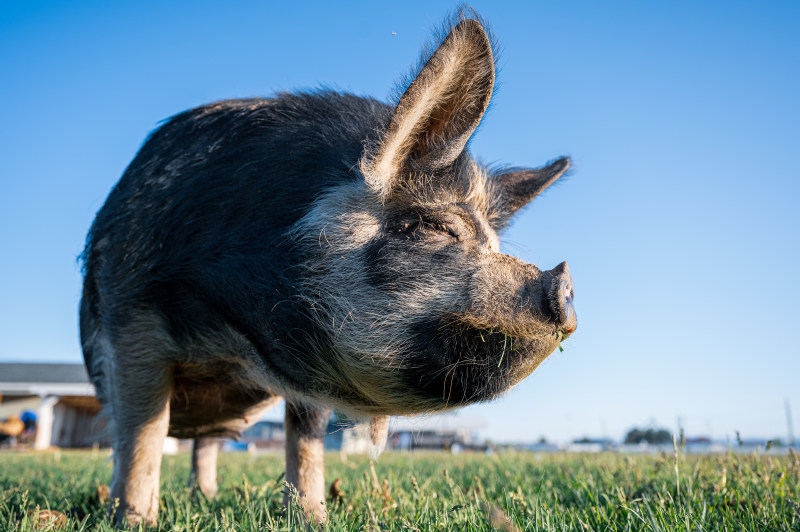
437,113
515,189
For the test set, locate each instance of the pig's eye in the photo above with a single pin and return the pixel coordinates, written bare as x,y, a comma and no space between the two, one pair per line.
450,231
430,226
435,225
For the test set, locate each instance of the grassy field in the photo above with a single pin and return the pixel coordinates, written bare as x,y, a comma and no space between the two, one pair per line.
416,492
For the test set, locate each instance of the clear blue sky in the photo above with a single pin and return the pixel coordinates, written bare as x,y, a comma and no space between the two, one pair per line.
680,223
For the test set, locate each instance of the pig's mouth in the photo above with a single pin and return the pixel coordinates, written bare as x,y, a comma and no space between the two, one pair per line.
517,355
455,363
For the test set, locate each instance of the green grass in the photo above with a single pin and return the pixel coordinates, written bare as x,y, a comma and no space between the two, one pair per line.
433,491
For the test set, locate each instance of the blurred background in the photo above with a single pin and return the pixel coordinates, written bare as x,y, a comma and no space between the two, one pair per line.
679,222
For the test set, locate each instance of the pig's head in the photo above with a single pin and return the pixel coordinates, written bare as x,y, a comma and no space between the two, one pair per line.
418,309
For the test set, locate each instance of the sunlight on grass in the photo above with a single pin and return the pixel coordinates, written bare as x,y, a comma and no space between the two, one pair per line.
418,492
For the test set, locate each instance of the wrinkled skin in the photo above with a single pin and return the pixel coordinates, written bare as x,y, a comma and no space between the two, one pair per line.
325,248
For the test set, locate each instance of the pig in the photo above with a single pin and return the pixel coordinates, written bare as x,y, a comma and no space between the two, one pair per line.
325,248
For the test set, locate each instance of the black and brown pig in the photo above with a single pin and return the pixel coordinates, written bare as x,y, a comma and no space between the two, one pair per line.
322,247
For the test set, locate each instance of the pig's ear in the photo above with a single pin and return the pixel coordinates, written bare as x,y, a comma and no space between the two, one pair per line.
437,113
516,188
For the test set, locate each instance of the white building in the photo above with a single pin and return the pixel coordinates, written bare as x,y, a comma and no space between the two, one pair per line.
62,398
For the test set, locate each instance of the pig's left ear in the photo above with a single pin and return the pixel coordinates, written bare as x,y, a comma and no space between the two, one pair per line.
516,189
437,113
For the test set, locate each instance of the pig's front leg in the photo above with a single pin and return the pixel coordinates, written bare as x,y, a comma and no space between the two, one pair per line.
305,432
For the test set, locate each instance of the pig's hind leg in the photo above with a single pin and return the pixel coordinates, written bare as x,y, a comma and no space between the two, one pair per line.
204,465
140,379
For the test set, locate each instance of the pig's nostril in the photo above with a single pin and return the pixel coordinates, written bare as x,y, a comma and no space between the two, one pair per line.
566,291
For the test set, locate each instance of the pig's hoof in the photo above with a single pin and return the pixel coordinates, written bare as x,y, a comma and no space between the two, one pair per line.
131,519
209,490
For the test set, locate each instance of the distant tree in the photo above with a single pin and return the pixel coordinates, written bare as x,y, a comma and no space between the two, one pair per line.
651,435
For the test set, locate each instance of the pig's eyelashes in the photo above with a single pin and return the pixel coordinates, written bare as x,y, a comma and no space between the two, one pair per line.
441,228
423,225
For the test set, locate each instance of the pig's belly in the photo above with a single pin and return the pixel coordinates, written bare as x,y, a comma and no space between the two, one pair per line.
203,407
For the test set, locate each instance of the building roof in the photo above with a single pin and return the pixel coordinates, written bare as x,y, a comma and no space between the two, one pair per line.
44,379
22,372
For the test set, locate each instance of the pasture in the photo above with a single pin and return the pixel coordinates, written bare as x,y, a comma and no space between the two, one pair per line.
429,491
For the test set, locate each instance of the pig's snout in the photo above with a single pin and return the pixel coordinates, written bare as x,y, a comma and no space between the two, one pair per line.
558,287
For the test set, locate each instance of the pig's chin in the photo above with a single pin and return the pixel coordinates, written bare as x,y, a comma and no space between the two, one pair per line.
454,364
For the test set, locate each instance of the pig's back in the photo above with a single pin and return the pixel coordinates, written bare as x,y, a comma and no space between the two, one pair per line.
198,219
226,171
